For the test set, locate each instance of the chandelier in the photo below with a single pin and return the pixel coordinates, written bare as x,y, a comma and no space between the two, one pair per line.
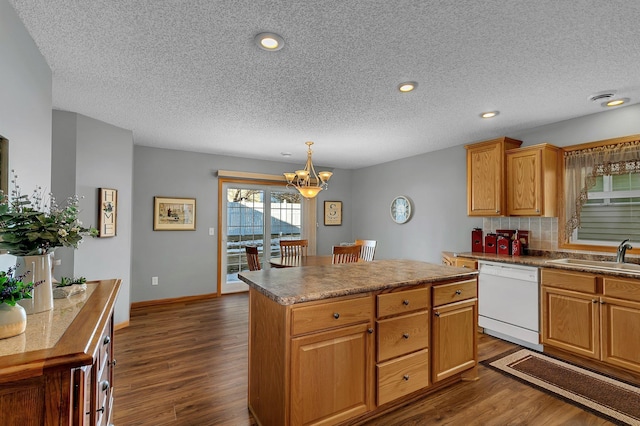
307,181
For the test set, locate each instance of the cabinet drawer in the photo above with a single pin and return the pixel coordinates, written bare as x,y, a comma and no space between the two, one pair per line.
306,319
402,376
402,335
454,292
622,288
575,281
402,302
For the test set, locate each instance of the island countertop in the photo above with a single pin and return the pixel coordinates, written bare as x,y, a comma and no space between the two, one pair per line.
288,286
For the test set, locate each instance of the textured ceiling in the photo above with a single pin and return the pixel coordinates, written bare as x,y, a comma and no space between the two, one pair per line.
186,74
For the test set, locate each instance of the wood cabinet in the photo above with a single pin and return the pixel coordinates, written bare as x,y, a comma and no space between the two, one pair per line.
64,376
486,176
345,358
402,342
449,259
532,179
455,319
592,316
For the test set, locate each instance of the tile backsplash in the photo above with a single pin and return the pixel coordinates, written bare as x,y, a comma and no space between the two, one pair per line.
543,231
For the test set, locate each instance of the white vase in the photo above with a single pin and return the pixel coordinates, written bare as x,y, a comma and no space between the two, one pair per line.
36,268
13,320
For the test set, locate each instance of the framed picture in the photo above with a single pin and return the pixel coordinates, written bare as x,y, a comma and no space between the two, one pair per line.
174,214
108,212
332,213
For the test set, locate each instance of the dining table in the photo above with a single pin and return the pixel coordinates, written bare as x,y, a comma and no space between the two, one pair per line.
296,261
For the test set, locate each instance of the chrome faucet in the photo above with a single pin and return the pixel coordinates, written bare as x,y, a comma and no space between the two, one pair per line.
622,250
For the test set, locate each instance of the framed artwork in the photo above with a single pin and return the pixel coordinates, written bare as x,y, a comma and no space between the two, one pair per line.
108,212
332,213
174,214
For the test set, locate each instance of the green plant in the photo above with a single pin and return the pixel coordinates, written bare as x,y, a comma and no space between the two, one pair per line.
13,288
67,281
31,226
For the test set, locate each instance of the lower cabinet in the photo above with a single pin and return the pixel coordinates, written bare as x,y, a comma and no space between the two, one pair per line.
330,361
330,381
592,315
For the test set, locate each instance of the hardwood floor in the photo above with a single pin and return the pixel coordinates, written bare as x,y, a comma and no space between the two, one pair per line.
186,364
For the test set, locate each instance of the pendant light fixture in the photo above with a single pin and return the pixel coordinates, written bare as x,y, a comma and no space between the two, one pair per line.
307,181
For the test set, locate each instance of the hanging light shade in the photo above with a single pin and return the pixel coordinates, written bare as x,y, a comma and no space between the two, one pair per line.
307,181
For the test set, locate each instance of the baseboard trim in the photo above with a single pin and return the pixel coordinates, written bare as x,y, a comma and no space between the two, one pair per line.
157,302
121,325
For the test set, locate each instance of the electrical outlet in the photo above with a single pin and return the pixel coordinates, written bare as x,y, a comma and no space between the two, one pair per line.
154,280
212,231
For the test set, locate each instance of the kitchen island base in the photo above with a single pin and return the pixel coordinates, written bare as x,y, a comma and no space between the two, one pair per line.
345,359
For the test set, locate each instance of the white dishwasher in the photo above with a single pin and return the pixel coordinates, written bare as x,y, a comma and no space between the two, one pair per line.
509,302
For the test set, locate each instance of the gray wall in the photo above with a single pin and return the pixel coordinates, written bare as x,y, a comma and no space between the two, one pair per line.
25,106
90,154
185,262
436,182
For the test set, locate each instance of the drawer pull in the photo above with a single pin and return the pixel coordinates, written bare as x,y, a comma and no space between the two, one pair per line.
100,410
106,340
458,292
105,385
336,315
370,330
405,335
405,377
405,302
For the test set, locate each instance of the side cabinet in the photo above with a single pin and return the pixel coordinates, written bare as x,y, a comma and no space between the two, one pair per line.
455,319
592,316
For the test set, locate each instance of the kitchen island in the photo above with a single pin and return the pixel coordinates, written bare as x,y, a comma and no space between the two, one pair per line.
337,344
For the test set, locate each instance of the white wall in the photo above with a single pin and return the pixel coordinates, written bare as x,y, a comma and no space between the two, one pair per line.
25,105
185,262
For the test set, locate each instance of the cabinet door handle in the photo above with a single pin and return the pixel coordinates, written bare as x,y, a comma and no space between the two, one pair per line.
405,302
459,292
105,385
336,315
594,301
436,313
602,302
370,330
405,377
113,363
106,340
100,410
405,335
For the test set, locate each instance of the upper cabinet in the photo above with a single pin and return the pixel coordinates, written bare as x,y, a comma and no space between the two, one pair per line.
486,176
532,179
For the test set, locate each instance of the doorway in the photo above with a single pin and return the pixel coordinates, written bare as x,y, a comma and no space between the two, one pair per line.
255,214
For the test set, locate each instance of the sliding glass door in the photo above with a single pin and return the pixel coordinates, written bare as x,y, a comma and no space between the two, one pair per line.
257,215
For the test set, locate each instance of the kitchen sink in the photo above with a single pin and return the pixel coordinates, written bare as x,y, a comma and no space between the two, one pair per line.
600,265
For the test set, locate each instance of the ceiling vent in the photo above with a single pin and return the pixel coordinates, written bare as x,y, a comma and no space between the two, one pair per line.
601,96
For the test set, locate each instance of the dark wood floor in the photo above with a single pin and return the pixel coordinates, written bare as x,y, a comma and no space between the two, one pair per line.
186,364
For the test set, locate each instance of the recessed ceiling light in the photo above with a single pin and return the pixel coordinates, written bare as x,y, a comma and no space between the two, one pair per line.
407,86
269,41
615,102
489,114
597,97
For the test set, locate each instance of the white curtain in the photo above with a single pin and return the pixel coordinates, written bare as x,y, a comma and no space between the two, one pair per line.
583,166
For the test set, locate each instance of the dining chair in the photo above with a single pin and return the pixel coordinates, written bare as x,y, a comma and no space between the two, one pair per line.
253,258
345,254
367,250
293,247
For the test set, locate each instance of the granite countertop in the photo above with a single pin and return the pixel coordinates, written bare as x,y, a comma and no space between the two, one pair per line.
288,286
541,260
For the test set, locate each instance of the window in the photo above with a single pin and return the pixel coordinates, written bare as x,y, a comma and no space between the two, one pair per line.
612,211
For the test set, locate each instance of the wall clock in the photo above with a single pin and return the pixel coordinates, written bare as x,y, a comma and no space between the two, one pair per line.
400,209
